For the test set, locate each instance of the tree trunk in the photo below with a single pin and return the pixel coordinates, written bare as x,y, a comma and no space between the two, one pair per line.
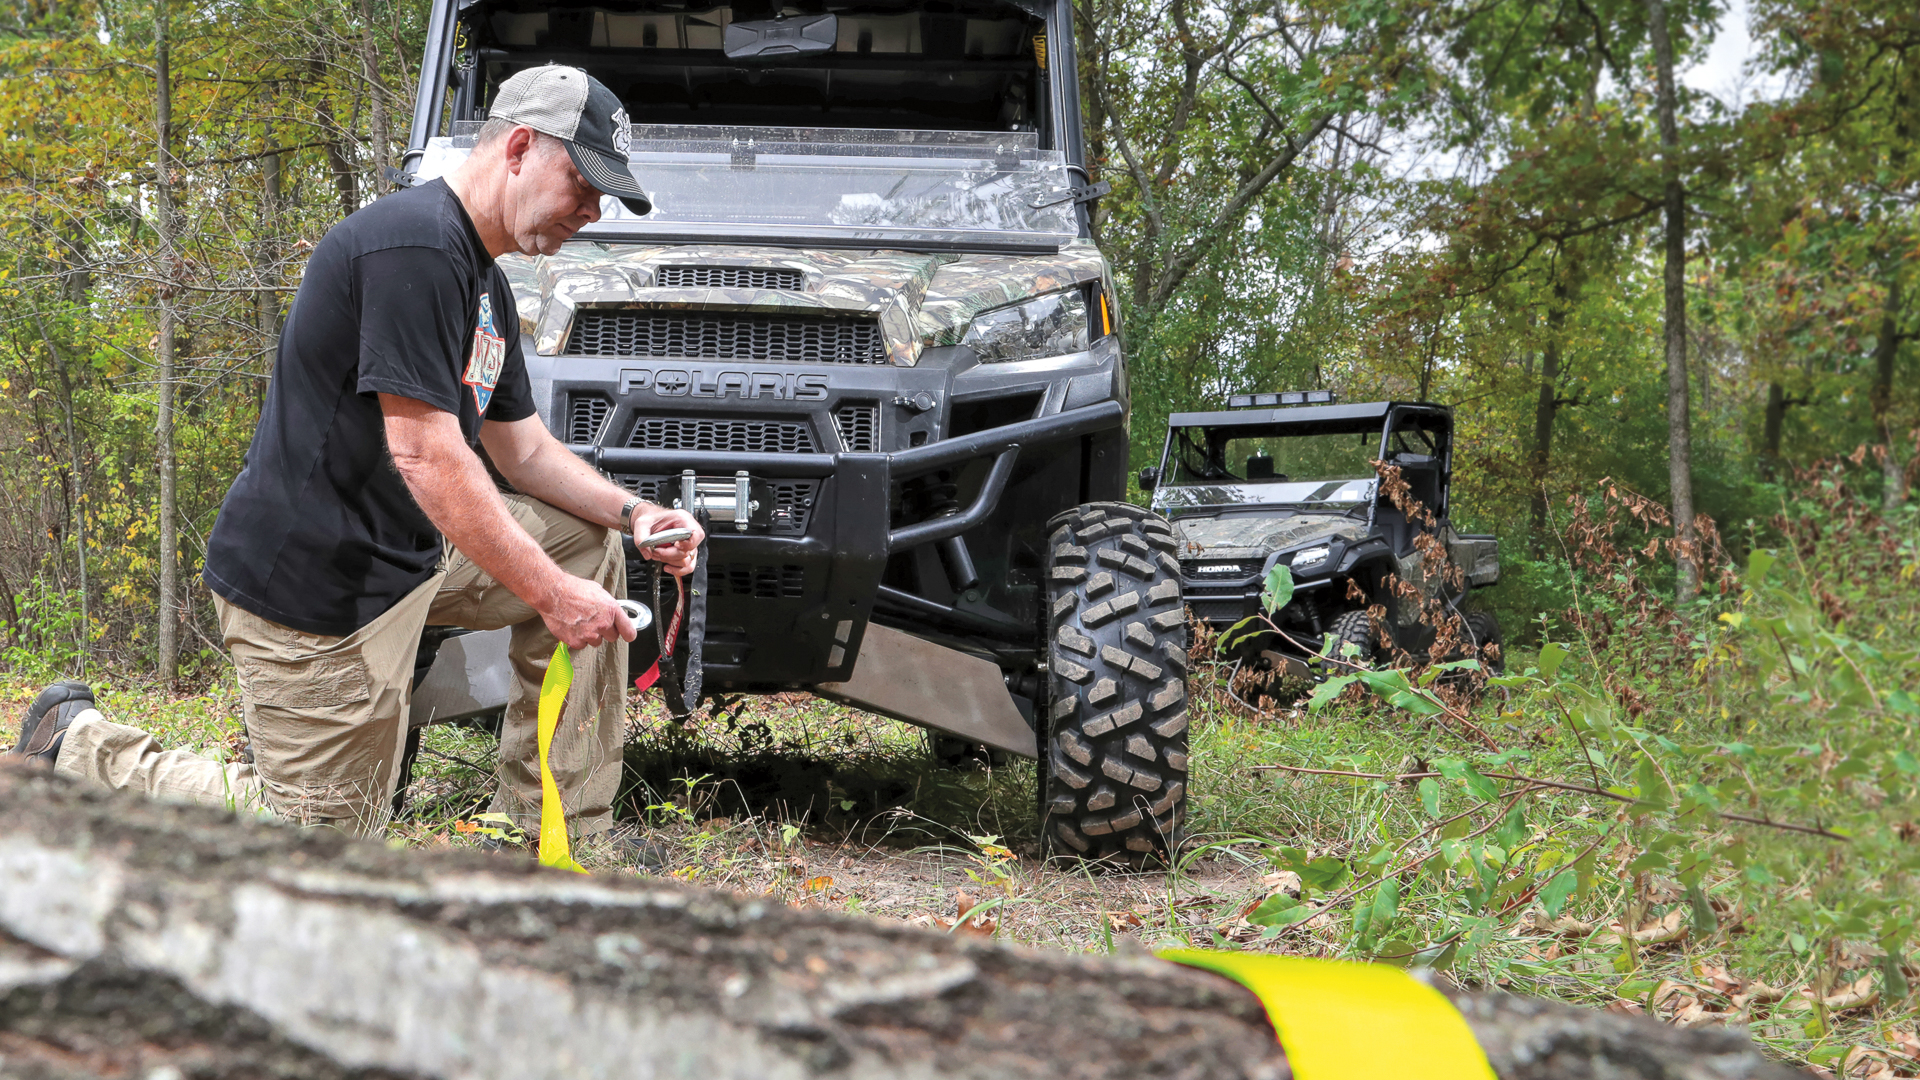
377,100
1776,417
1679,420
78,503
168,639
338,162
266,302
139,937
1546,407
1893,489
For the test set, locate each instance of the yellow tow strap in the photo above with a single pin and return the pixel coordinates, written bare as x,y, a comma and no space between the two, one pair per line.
553,818
1339,1020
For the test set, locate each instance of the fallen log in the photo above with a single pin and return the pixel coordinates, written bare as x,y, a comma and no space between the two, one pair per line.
143,939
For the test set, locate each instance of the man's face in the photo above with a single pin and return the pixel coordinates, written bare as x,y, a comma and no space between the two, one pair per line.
548,199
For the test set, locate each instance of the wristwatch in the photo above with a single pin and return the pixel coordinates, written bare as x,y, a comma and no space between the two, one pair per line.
626,513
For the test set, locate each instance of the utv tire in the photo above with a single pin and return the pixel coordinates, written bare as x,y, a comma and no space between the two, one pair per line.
1113,738
1484,629
1352,628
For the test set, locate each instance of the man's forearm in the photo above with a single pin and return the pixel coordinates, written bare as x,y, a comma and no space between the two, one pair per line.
534,462
556,476
454,490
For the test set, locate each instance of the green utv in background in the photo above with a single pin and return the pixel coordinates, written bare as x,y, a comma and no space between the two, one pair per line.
1289,479
865,331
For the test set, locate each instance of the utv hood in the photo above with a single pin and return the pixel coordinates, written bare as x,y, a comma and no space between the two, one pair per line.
920,300
1251,536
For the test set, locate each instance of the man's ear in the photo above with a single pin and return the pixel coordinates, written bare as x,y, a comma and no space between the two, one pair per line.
518,147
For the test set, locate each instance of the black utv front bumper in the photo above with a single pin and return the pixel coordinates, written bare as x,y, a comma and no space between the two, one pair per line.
789,607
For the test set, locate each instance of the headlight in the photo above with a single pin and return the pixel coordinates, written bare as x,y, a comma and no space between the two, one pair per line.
1043,326
1309,556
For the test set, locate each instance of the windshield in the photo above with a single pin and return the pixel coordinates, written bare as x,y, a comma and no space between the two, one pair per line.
1289,465
839,184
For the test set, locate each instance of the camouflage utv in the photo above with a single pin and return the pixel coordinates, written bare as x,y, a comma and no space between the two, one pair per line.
1289,479
865,333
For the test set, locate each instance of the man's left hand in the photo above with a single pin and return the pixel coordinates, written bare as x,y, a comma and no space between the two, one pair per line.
677,557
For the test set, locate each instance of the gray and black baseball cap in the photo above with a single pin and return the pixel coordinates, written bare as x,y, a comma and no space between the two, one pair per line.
575,108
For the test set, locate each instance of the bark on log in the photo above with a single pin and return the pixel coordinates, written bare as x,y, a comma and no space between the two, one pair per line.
138,938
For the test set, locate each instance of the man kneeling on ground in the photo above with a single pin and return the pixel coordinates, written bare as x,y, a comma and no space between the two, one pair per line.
363,513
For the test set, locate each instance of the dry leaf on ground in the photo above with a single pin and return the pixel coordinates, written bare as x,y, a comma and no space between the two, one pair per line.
964,921
1666,930
1859,994
1281,881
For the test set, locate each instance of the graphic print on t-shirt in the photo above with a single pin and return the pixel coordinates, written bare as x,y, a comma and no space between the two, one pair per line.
489,356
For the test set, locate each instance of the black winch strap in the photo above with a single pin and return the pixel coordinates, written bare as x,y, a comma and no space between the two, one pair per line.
681,693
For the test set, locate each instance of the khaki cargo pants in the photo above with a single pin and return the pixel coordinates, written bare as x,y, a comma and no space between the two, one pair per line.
327,716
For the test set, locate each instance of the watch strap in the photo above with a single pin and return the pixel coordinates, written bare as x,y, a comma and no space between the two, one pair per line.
626,513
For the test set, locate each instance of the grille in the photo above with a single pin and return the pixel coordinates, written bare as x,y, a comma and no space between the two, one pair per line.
792,499
859,426
1217,611
1201,571
758,581
585,415
728,277
700,335
741,436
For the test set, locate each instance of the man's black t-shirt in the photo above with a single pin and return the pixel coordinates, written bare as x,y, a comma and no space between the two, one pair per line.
319,532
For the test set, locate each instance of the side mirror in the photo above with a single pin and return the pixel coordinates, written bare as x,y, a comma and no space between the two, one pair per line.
777,39
1149,477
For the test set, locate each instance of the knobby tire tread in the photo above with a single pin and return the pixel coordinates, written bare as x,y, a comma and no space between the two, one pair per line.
1113,751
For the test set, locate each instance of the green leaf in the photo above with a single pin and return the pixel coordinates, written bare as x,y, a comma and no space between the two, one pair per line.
1393,687
1654,793
1278,590
1477,785
1552,655
1513,830
1278,910
1399,952
1554,896
1705,921
1649,860
1430,796
1893,981
1324,873
1386,905
1758,563
1329,690
1434,671
1239,632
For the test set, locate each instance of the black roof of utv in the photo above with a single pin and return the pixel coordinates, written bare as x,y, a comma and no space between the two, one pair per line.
1306,414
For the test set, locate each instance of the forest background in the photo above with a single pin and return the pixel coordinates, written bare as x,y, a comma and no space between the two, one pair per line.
1512,208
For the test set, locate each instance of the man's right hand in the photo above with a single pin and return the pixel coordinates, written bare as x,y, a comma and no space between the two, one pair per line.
581,614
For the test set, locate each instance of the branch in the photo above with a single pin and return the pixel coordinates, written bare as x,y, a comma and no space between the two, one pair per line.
1558,785
1182,265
